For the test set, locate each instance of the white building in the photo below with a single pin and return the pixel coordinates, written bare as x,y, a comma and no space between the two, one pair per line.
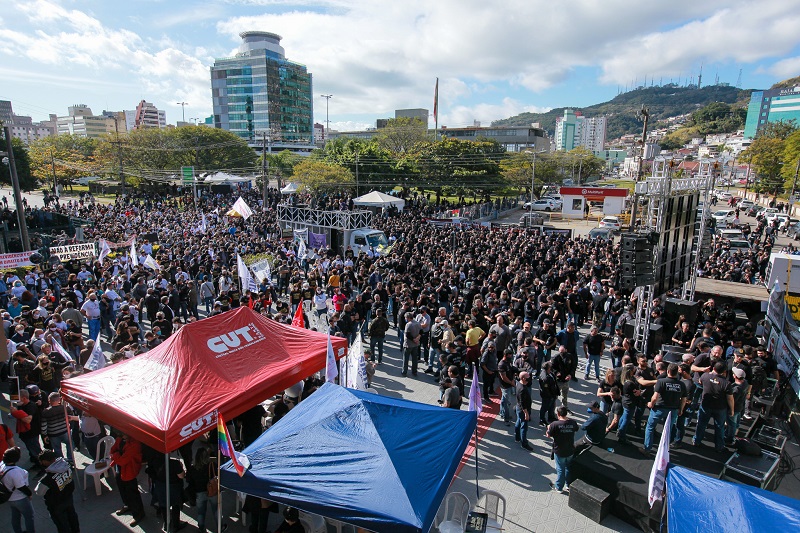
593,133
573,130
82,122
149,116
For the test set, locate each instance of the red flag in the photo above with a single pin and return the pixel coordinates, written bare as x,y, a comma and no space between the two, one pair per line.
298,321
436,100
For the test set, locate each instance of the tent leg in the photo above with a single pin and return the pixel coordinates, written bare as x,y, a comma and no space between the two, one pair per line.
167,509
71,452
219,492
477,489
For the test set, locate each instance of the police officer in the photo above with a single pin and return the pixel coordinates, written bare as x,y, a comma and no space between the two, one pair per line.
57,486
669,397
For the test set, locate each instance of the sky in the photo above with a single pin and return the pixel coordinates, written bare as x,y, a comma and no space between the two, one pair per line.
494,58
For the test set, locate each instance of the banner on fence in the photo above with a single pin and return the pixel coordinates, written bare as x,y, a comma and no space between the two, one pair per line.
16,260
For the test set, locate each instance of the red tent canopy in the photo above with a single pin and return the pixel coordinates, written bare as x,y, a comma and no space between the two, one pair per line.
227,363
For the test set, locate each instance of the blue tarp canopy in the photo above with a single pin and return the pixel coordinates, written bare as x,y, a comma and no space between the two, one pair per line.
700,503
383,464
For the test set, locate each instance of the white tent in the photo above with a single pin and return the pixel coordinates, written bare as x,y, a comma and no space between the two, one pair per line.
378,199
221,178
290,188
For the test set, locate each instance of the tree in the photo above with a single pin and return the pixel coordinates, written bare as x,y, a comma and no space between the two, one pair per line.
766,156
373,165
280,164
22,162
791,160
586,163
320,176
400,135
69,156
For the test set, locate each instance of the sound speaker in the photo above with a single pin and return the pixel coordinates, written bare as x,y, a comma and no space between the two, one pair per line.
674,308
630,256
590,501
629,329
633,242
627,282
655,339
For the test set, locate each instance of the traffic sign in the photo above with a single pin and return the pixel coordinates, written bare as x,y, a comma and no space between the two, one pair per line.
188,175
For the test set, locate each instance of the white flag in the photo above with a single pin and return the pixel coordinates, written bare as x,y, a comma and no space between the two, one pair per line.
244,273
97,359
261,270
149,262
133,254
60,349
355,369
330,363
104,250
241,207
475,402
658,475
302,251
203,224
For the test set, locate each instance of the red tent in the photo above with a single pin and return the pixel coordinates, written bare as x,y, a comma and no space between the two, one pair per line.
227,363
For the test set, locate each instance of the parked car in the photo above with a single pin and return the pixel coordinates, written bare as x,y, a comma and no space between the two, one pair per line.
605,234
724,195
556,198
610,222
746,204
723,217
544,205
754,210
730,233
783,220
740,245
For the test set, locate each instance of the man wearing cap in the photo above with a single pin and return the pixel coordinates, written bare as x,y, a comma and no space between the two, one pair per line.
57,486
91,310
740,390
452,394
669,397
594,428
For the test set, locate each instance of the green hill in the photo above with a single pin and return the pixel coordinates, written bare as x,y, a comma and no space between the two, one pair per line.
663,102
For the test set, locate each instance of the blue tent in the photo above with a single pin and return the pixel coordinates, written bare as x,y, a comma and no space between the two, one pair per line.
700,503
379,463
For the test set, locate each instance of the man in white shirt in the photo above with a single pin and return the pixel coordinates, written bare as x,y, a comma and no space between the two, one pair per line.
16,480
91,310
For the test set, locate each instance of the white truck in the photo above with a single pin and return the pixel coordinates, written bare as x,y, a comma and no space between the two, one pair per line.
342,229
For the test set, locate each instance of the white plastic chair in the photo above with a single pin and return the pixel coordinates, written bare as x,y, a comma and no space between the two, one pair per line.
490,502
103,454
456,512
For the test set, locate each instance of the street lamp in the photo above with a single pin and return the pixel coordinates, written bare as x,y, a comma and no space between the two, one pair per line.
327,98
183,109
533,170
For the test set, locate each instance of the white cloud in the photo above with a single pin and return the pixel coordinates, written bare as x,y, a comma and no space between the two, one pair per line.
350,125
461,116
786,68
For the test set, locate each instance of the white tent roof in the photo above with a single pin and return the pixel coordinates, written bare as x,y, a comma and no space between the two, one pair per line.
289,188
221,177
378,199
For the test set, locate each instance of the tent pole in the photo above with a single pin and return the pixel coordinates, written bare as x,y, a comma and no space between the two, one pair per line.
477,489
219,491
71,451
167,509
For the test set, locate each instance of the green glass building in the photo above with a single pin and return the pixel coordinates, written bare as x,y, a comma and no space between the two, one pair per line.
773,105
259,91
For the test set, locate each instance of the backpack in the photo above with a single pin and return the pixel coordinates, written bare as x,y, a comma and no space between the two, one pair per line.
5,492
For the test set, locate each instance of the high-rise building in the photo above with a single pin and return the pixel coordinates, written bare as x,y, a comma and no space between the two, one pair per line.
6,111
258,91
574,130
149,116
773,105
82,122
23,127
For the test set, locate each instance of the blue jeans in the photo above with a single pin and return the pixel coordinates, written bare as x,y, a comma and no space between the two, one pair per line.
22,509
732,425
657,415
373,342
208,302
94,327
34,447
680,427
624,422
56,442
507,398
593,360
562,471
703,417
521,427
203,503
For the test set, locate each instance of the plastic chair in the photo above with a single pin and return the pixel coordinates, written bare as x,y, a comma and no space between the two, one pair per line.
491,504
456,512
103,454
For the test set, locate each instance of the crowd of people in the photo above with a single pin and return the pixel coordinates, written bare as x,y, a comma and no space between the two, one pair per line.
504,304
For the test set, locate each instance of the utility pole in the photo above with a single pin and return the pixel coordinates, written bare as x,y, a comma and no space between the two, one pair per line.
356,174
646,114
794,186
327,98
183,110
264,166
119,156
12,168
53,162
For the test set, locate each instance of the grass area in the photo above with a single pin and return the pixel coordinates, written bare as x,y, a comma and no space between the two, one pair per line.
623,184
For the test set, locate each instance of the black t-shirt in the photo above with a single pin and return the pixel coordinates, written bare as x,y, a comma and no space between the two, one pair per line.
594,343
701,361
739,391
629,397
715,391
563,435
617,409
670,392
506,368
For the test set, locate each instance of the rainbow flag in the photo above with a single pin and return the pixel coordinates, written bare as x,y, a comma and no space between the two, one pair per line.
239,460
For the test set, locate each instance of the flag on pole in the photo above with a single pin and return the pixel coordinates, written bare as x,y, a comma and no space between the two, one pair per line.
134,256
97,359
252,285
149,262
658,475
241,207
244,273
239,460
302,251
203,224
355,369
60,349
298,321
330,363
105,249
475,402
436,101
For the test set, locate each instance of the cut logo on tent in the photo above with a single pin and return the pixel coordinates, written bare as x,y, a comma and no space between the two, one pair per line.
235,340
201,425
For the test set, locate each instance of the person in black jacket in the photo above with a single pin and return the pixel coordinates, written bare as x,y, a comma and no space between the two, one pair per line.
203,469
548,389
564,366
57,486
